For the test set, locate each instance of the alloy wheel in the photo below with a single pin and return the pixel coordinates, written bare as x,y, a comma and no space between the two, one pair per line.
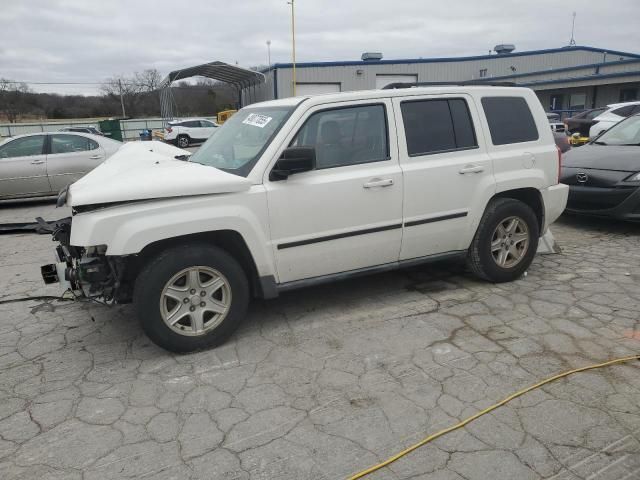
195,300
510,242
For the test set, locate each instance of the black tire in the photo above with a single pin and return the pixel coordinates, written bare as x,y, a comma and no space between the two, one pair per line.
160,269
183,141
480,258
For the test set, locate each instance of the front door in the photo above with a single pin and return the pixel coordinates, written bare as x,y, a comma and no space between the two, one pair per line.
70,158
23,167
447,172
347,213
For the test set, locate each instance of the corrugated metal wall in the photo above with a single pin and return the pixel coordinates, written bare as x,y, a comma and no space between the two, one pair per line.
362,76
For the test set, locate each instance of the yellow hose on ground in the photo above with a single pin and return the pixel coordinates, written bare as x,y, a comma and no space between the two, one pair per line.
432,437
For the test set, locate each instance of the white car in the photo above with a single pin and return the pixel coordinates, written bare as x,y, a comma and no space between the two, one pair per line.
41,164
185,132
298,191
614,113
555,123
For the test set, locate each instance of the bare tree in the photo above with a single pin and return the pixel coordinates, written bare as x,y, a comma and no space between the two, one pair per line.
149,80
13,99
130,90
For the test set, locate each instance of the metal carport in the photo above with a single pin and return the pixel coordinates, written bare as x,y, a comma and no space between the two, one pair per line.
242,78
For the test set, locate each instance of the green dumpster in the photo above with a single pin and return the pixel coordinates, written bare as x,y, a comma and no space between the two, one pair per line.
111,129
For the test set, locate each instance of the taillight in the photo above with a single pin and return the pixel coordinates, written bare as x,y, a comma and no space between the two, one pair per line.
169,129
559,162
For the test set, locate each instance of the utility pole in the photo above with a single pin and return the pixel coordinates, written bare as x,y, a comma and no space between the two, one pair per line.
293,44
269,53
124,114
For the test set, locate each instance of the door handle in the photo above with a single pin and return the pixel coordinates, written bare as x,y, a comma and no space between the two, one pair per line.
37,162
377,182
95,157
472,168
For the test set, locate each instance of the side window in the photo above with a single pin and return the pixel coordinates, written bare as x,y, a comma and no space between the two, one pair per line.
206,124
191,124
23,147
346,136
510,120
71,144
433,126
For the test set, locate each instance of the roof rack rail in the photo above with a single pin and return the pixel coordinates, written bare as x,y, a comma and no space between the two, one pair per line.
393,86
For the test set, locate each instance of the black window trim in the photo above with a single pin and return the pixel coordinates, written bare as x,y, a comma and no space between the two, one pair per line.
447,150
344,107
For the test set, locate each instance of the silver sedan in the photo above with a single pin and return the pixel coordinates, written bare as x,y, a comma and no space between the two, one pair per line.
41,164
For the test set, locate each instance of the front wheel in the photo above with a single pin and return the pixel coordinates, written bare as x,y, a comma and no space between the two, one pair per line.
191,298
505,242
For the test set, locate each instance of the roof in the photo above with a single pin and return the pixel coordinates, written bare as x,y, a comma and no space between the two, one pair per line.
233,74
401,92
452,59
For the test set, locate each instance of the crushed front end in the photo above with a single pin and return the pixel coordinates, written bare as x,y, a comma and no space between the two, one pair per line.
85,271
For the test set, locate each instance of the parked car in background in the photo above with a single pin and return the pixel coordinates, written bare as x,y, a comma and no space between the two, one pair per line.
555,123
612,115
604,175
91,130
562,141
298,191
581,122
185,132
41,164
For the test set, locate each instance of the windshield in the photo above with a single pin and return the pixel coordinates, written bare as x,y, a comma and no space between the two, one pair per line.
239,142
626,132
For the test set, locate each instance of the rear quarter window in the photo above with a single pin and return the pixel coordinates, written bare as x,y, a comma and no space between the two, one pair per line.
510,120
624,111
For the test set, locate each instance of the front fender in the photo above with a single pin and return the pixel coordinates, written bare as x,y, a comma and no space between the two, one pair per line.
127,229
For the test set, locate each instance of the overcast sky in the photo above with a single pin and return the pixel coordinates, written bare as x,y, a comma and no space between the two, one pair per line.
89,40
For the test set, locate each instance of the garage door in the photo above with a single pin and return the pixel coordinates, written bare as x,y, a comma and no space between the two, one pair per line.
384,80
316,88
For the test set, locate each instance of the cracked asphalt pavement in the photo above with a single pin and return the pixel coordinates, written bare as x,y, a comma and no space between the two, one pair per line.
326,381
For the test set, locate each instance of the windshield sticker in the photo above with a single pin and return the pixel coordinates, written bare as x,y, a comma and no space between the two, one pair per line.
257,120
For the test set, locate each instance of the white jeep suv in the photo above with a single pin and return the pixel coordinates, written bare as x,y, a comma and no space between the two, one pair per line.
294,192
185,132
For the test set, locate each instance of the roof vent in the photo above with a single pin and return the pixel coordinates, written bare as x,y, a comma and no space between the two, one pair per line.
504,48
371,56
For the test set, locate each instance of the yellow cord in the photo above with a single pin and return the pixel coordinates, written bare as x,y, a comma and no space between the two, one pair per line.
485,411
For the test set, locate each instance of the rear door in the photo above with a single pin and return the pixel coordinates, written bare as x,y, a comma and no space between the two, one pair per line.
23,168
207,129
70,157
446,171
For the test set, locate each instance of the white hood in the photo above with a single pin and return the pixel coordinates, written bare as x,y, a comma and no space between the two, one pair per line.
145,170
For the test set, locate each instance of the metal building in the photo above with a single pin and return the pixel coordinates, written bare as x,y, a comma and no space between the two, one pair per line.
569,78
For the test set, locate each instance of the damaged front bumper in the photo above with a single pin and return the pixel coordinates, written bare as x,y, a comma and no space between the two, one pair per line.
86,271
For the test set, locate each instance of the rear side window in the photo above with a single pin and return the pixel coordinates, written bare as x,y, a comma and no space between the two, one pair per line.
624,111
510,120
433,126
71,143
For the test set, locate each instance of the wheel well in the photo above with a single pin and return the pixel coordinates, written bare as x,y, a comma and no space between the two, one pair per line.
529,196
228,240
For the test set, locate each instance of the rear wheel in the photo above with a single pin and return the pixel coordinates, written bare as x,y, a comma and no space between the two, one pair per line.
183,141
505,242
191,298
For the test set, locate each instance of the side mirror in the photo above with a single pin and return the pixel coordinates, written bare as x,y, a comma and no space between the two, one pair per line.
293,160
576,135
